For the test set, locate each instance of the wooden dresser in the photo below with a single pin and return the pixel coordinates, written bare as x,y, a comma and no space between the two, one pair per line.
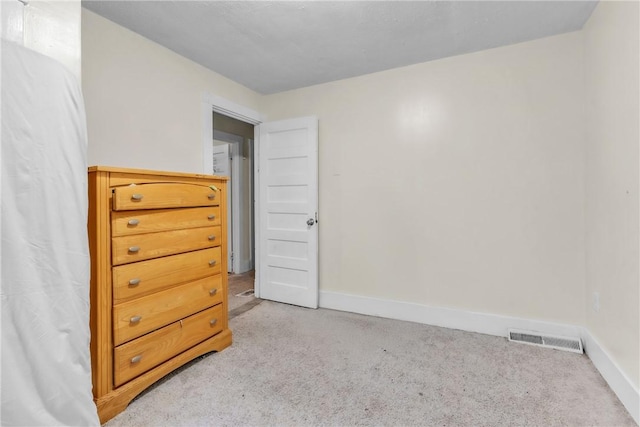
158,277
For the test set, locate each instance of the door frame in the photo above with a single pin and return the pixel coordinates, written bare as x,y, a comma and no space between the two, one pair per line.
234,191
211,103
229,197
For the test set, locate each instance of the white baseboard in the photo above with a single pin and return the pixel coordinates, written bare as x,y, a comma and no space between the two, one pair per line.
612,374
484,323
490,324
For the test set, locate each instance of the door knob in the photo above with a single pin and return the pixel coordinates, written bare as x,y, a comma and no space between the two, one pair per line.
311,221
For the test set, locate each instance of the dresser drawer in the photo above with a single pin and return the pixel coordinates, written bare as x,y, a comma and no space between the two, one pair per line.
125,223
138,356
139,247
163,195
146,277
137,317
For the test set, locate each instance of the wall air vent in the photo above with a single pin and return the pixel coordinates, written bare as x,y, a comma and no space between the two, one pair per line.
551,341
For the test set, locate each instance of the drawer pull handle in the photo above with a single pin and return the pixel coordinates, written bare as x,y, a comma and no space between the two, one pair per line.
134,249
134,282
212,217
212,262
212,292
133,222
212,237
136,359
212,322
136,197
212,196
135,319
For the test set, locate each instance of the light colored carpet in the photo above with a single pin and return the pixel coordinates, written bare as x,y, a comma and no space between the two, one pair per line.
291,366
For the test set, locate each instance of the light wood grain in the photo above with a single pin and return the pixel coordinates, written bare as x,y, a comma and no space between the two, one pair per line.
154,245
121,180
164,307
164,176
126,223
223,188
180,253
116,401
146,277
100,287
164,195
159,346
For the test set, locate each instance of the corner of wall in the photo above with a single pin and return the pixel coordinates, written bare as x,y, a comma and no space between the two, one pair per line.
612,182
612,215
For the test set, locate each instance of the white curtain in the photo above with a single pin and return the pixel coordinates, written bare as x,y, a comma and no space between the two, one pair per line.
46,369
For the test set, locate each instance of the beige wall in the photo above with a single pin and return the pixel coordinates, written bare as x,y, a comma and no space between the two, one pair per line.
49,27
455,183
612,215
143,101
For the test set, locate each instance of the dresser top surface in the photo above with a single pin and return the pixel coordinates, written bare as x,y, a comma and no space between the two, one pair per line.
154,172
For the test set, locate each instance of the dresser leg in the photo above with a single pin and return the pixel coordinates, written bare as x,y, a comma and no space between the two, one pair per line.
117,400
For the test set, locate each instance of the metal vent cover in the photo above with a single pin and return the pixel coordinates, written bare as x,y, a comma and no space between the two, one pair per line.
551,341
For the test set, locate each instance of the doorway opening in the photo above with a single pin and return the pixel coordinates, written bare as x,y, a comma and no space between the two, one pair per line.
285,235
233,156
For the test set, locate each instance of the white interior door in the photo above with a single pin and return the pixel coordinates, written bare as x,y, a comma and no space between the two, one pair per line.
222,166
287,246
